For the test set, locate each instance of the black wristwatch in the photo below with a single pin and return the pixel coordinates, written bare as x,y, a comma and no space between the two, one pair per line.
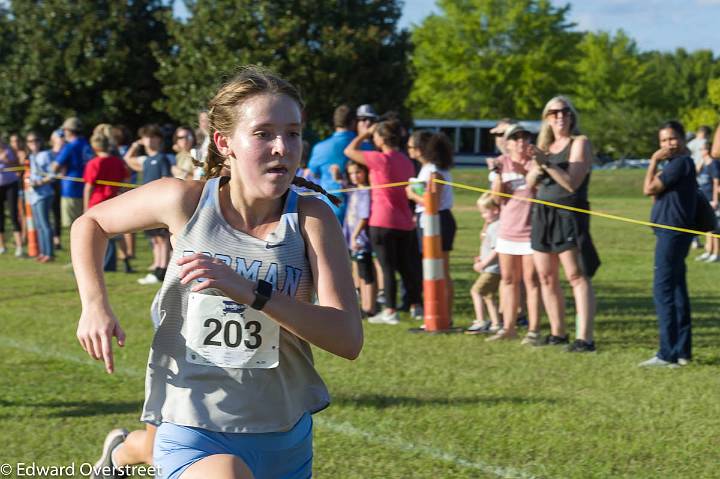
263,291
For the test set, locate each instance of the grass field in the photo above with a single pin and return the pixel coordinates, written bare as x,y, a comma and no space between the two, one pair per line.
412,406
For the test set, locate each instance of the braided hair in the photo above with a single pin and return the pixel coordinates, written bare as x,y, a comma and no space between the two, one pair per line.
303,183
223,115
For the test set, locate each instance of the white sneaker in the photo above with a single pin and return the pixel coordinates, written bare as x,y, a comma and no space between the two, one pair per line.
149,279
683,362
18,252
656,362
2,250
382,318
713,258
703,257
417,313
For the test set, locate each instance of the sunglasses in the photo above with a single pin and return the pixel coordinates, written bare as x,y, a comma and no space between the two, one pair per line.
183,137
563,111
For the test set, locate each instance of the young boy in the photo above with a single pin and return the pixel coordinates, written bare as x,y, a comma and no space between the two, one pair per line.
486,286
154,165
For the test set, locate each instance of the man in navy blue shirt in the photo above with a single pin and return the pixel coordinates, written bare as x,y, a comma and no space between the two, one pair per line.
71,162
675,192
327,156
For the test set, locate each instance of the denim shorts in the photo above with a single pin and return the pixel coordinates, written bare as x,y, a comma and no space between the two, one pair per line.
273,455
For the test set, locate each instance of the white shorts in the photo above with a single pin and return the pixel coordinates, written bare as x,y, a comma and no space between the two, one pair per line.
515,248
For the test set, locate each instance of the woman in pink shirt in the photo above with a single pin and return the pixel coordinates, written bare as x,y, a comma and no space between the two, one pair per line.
392,229
513,243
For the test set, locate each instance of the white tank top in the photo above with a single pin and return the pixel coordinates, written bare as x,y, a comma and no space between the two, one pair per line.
446,193
201,371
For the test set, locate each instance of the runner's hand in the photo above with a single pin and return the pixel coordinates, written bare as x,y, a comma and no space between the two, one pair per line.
215,274
95,332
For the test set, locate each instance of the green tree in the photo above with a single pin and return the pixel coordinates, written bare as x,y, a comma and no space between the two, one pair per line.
491,58
709,113
7,45
622,130
608,69
609,90
347,51
92,59
678,81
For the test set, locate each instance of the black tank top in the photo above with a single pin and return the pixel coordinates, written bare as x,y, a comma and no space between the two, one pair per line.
550,190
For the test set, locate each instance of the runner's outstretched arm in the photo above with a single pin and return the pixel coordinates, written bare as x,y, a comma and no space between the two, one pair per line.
154,205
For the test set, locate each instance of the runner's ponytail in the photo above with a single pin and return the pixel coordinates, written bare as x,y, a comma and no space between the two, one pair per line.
303,183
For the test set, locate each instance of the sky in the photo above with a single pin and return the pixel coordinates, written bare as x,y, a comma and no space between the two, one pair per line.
654,24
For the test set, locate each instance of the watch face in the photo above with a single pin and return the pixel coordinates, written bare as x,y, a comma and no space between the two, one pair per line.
264,288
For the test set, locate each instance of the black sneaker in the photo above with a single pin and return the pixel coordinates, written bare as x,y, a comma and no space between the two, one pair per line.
522,320
104,467
552,340
581,346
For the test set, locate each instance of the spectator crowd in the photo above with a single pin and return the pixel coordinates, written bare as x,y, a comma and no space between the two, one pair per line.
522,247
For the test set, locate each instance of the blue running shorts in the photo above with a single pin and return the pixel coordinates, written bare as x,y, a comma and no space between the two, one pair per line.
273,455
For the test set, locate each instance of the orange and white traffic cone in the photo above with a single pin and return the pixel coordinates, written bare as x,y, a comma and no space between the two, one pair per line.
436,312
32,240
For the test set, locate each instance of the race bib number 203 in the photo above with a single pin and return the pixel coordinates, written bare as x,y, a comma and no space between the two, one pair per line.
227,334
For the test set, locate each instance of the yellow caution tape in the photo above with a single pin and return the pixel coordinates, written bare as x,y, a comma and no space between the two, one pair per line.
599,214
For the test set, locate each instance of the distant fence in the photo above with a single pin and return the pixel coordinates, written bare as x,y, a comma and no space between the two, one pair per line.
625,164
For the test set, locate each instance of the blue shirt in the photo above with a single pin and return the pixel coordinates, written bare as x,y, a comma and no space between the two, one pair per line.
676,205
39,169
73,158
327,153
330,152
155,167
705,178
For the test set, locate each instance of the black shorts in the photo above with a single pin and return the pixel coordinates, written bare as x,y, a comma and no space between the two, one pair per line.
365,265
555,230
448,228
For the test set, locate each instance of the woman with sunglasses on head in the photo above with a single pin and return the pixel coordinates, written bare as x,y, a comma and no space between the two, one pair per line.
561,169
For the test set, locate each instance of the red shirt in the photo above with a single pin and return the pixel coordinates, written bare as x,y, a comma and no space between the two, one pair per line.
108,168
389,207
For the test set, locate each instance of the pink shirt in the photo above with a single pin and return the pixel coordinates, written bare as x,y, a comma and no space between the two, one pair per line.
514,214
389,207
